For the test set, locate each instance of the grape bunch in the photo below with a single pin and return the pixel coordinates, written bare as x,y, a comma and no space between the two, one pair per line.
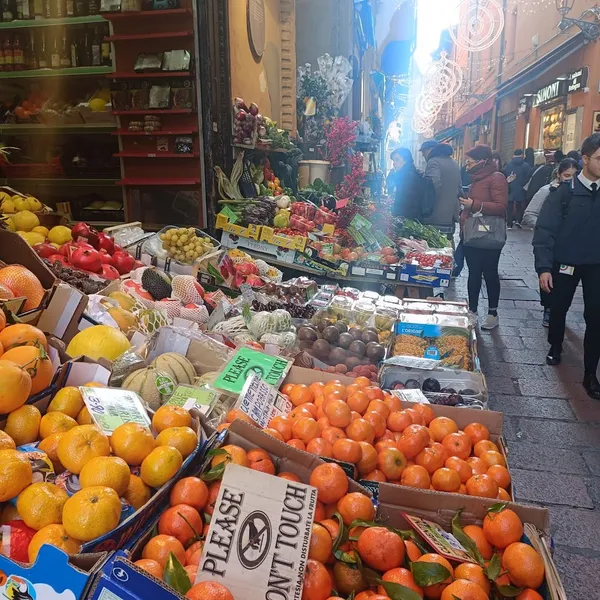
184,245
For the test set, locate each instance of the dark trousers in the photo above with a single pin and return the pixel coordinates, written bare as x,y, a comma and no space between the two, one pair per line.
514,212
562,296
545,299
459,259
483,263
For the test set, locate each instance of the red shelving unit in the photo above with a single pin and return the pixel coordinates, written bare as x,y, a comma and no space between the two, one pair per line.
150,36
163,132
147,14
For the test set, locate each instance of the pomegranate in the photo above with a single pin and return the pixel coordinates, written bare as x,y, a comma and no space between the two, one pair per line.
107,259
44,250
87,260
109,272
85,232
105,242
123,262
59,258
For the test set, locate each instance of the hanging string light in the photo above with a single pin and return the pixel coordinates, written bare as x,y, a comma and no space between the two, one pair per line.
480,25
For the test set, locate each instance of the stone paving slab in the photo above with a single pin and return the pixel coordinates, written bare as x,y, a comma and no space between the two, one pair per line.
551,426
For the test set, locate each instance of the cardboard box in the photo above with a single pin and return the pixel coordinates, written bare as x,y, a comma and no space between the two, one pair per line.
53,575
366,268
284,255
434,277
291,242
62,315
252,231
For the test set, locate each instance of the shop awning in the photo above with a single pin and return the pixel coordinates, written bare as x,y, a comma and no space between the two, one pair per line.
447,134
476,112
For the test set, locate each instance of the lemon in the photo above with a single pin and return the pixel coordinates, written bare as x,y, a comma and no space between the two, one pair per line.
41,230
21,203
4,196
8,206
25,220
33,238
60,235
97,105
10,225
34,204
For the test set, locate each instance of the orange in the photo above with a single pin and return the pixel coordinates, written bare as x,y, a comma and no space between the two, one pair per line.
416,476
36,362
380,407
209,590
399,421
320,447
287,388
335,386
464,470
182,522
159,548
331,434
232,453
15,386
355,506
412,550
348,579
491,457
182,438
502,528
399,576
358,402
475,574
300,394
160,466
320,543
500,475
260,460
23,424
477,432
79,445
391,462
312,408
458,444
191,553
435,591
49,445
361,430
132,443
446,480
529,594
67,400
368,460
504,495
430,459
171,416
273,433
412,440
23,283
291,477
377,421
91,513
440,427
464,589
299,444
283,425
374,392
331,482
426,412
6,442
385,444
84,417
137,492
478,466
381,549
55,422
22,334
109,471
442,450
476,534
150,566
298,412
375,475
213,493
524,565
317,581
305,429
362,382
483,486
234,414
191,491
417,417
41,504
338,413
347,451
483,446
15,473
55,535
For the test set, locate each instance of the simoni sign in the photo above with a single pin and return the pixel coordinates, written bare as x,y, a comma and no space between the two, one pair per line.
259,535
550,92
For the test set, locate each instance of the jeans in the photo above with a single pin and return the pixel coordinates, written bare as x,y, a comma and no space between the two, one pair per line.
562,296
518,209
483,263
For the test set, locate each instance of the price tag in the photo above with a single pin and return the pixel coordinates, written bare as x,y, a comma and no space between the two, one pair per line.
189,397
110,407
261,401
411,395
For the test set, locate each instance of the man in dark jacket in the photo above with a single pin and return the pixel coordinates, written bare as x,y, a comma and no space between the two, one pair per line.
518,173
566,252
409,186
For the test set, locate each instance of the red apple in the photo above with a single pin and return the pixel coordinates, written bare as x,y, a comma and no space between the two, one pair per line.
109,272
123,262
105,242
107,259
88,260
44,250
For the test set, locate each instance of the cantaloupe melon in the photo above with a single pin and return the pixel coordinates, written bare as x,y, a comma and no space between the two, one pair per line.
177,366
153,386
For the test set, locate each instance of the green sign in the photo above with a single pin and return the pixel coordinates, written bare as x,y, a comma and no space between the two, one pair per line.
188,397
233,218
272,369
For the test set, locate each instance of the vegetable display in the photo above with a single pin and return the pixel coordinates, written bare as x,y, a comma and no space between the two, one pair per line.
413,229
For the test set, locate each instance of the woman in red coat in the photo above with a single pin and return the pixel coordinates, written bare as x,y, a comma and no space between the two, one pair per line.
489,196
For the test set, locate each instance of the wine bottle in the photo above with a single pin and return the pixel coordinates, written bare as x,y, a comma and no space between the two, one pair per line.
42,53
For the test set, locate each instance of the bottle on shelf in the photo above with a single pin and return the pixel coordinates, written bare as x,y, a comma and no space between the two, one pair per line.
8,54
106,59
81,9
65,53
1,55
96,48
86,50
39,9
55,54
23,10
94,7
58,9
43,52
75,53
48,9
32,57
8,11
18,54
70,8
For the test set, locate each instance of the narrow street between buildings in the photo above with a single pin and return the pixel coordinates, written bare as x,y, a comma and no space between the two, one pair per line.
551,426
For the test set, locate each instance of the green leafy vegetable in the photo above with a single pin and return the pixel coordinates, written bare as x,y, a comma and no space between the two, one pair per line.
409,228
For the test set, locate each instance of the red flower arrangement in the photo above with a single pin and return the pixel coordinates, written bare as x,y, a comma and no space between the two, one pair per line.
351,187
340,136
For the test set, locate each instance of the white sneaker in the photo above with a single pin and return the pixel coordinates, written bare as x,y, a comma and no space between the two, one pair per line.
491,322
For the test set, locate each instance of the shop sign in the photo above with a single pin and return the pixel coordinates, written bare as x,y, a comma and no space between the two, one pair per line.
577,80
550,92
523,105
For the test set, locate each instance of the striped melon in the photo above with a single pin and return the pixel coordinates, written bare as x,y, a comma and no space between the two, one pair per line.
177,366
153,386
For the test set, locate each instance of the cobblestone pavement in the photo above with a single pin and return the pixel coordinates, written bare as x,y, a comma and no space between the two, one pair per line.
552,427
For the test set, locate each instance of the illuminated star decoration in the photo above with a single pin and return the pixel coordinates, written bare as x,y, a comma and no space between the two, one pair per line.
480,25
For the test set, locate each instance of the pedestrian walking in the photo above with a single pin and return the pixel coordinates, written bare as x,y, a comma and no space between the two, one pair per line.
497,157
409,186
443,182
530,156
483,228
566,170
518,173
541,176
566,252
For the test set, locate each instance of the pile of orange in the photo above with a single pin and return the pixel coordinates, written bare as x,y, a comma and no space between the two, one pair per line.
365,426
73,443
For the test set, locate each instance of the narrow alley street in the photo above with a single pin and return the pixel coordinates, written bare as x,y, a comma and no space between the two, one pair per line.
551,426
